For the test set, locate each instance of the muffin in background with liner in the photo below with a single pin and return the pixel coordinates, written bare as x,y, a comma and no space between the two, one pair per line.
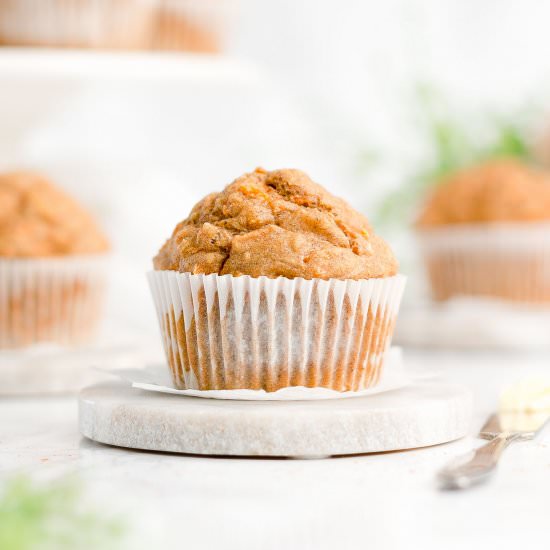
191,25
52,265
485,232
273,283
185,25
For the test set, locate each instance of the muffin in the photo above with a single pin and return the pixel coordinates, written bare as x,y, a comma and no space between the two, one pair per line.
485,232
189,26
113,24
52,257
272,283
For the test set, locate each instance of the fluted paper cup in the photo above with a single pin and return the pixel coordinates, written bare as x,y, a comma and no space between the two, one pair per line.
190,25
76,23
50,300
225,332
506,261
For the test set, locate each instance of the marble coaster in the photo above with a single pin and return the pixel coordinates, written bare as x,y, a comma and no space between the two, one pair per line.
422,414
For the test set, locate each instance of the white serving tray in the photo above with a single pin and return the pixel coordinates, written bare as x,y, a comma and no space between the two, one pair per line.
474,323
46,63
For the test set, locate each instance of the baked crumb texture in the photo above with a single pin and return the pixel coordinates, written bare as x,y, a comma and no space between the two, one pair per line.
234,333
502,190
276,224
39,220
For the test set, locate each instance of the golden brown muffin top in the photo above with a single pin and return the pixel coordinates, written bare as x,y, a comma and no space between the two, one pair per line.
277,224
39,220
502,190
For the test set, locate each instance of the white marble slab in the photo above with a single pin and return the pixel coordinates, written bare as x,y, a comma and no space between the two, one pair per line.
425,413
474,323
48,369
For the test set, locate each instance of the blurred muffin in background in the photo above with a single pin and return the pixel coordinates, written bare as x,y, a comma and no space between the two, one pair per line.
52,265
189,25
485,231
185,25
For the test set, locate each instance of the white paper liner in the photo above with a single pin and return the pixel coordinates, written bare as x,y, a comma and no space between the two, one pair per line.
55,300
193,25
157,379
225,332
506,260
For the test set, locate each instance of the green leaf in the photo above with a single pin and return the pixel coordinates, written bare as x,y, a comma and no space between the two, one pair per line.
44,517
453,143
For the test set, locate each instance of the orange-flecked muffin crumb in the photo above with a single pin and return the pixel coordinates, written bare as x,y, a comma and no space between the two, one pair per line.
502,190
276,224
39,220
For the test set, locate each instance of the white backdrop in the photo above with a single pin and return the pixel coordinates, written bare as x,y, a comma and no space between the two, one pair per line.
314,84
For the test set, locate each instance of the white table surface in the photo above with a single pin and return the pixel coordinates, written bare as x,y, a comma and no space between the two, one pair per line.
377,501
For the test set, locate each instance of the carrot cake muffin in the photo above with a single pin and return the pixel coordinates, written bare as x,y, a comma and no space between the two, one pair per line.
484,232
274,282
187,25
51,258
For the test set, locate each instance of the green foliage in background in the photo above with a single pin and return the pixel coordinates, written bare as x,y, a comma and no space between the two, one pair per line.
51,517
454,145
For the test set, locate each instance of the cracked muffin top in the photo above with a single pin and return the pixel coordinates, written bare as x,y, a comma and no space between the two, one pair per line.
39,220
502,190
277,224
